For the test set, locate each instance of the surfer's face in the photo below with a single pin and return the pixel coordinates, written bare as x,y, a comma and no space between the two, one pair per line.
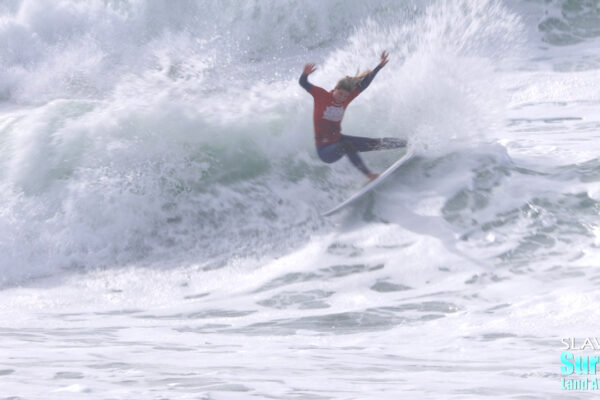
340,95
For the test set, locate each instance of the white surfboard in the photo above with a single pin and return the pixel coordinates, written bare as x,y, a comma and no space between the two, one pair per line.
369,185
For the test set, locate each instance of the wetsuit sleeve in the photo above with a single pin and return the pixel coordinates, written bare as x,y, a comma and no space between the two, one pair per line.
305,83
363,84
367,79
315,91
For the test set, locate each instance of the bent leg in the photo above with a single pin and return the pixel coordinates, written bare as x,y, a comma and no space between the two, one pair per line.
369,144
330,153
392,143
349,148
358,162
357,143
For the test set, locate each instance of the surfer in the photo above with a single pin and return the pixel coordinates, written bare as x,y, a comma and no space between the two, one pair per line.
328,113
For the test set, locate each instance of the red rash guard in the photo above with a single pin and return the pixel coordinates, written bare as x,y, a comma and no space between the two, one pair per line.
328,114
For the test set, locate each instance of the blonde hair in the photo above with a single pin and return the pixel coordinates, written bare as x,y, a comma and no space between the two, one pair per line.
349,83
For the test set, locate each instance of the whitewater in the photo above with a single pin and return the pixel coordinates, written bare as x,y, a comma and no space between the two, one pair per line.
161,233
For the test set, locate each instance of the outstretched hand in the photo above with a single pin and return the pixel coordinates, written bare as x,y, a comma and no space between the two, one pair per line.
309,69
384,58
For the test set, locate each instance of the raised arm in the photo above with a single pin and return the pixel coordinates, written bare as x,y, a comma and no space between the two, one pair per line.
367,79
308,69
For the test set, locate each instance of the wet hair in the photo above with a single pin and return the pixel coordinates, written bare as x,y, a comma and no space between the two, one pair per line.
349,83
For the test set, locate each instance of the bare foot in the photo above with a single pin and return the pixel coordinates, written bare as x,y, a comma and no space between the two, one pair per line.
373,176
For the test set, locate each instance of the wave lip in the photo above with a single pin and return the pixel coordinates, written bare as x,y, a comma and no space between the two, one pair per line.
146,135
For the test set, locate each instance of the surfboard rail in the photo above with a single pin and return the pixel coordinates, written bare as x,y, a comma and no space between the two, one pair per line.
365,189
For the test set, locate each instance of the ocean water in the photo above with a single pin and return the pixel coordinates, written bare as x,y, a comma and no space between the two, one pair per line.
160,200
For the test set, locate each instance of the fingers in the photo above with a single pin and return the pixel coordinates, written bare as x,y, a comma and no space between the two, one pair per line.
384,58
309,68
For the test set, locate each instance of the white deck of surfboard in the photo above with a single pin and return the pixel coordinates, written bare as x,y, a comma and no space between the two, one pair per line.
369,185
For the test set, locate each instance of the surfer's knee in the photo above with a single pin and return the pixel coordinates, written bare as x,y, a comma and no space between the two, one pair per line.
328,160
329,154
